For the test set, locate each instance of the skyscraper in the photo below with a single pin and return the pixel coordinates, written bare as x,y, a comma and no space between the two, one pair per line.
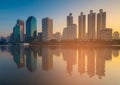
81,26
101,22
70,32
16,33
31,28
91,25
21,25
69,20
47,29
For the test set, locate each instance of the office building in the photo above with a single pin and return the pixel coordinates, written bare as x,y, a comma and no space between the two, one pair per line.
16,33
21,25
101,22
69,20
106,34
91,25
81,26
47,29
116,35
65,34
70,33
31,28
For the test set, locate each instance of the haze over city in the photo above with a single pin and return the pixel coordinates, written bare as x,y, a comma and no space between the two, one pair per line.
11,10
59,42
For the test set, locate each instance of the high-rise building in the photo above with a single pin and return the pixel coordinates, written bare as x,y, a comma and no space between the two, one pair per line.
116,35
21,25
82,26
69,20
31,28
70,32
65,34
106,34
91,25
47,29
101,22
16,33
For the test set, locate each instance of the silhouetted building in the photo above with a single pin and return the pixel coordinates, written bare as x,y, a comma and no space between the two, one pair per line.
82,26
65,34
21,25
16,33
101,22
106,34
70,33
47,29
91,25
116,35
69,20
31,28
11,38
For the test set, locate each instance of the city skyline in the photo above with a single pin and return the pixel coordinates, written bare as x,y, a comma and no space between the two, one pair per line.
13,10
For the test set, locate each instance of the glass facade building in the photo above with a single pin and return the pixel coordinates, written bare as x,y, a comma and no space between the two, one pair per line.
21,25
16,33
31,28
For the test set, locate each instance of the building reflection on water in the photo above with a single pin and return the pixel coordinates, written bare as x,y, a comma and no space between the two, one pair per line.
31,59
18,55
47,59
90,61
70,56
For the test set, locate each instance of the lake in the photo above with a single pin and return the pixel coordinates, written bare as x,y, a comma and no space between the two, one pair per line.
59,65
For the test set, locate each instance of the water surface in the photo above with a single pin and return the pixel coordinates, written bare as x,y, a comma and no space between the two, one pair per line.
56,65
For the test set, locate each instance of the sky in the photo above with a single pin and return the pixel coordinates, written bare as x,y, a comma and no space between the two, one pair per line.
11,10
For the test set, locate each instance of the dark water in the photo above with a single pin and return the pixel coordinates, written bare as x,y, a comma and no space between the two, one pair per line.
55,65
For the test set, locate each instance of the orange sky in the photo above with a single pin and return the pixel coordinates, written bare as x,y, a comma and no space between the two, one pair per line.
58,10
